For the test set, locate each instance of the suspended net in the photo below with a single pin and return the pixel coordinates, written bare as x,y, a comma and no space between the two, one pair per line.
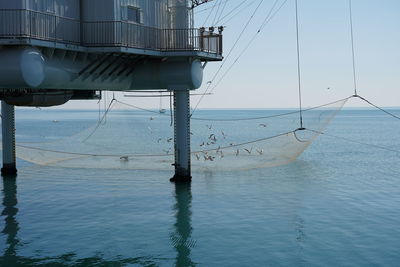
130,138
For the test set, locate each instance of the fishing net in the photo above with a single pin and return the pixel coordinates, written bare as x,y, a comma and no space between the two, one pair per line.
126,137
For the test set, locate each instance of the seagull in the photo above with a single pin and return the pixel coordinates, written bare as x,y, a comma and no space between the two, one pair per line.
223,134
169,140
124,158
209,126
212,137
237,152
202,144
151,118
259,151
210,158
262,125
248,151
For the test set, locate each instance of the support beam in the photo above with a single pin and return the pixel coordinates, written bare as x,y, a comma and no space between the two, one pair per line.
182,136
8,139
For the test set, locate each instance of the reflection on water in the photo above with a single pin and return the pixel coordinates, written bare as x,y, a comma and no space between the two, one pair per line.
180,236
182,228
11,224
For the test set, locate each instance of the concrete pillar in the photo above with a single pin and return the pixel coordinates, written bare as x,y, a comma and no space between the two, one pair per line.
182,136
8,139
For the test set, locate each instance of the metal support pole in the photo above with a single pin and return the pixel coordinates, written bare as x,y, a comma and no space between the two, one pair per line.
8,139
182,136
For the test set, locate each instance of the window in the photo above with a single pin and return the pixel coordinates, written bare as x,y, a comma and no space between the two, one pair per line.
133,14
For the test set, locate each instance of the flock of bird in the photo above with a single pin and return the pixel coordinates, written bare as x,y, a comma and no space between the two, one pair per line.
208,151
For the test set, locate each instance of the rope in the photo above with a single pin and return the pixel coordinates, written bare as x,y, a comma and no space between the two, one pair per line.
144,109
352,49
353,141
222,11
233,10
92,155
298,65
102,119
377,107
216,12
267,19
151,155
238,119
229,53
274,116
247,143
209,14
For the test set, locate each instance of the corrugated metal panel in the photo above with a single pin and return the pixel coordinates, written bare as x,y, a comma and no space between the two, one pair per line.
63,8
13,4
67,8
98,10
154,13
163,24
41,5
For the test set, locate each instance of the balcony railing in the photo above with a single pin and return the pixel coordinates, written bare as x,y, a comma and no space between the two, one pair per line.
19,23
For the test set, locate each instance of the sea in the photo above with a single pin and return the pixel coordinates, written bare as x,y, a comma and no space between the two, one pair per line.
338,204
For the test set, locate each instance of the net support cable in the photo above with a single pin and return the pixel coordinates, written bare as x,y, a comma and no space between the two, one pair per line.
298,65
352,48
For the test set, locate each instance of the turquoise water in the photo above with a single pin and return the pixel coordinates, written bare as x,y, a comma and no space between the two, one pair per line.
337,205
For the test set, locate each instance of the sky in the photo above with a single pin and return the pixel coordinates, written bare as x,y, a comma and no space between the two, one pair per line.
265,76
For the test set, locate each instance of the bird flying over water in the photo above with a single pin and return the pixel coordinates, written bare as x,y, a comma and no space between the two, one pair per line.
248,151
212,137
223,135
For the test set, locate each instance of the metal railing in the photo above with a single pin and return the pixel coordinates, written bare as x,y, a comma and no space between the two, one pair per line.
126,34
21,23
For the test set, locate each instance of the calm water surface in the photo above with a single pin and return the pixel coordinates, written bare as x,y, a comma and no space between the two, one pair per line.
337,205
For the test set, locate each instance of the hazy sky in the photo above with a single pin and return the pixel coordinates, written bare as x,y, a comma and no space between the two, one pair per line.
266,75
